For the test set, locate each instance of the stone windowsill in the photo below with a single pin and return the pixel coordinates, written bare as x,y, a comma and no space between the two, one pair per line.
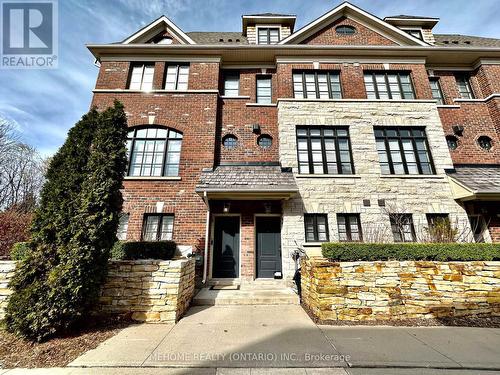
261,104
303,175
143,178
419,176
312,244
235,97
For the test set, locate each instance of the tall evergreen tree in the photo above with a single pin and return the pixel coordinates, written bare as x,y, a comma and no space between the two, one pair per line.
74,229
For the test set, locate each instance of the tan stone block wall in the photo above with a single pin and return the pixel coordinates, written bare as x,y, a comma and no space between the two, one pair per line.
399,290
7,268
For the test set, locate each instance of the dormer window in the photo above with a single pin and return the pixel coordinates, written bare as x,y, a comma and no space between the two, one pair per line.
268,35
416,33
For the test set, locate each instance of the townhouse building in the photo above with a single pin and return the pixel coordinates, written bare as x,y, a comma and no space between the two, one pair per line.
245,145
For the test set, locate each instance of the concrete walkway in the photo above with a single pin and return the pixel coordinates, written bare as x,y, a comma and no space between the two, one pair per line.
283,337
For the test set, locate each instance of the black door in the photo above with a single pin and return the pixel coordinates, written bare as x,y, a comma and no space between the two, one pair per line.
226,247
268,246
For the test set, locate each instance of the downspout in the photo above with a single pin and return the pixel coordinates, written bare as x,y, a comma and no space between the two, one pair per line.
207,225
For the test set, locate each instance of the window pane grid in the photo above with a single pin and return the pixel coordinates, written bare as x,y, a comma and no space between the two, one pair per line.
141,77
158,227
176,77
402,227
264,89
153,152
349,227
437,94
231,84
403,151
464,87
268,35
324,150
383,85
317,85
316,227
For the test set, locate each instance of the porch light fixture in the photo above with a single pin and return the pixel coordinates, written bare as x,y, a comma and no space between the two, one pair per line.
256,128
458,129
227,206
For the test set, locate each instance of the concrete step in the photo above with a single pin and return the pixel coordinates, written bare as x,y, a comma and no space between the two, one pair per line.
284,296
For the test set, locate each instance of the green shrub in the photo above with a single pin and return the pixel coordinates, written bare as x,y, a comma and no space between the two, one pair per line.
123,250
351,251
20,250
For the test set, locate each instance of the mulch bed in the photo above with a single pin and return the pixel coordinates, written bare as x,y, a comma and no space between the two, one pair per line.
59,351
472,321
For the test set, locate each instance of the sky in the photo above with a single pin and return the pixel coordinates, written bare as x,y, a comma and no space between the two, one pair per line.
44,104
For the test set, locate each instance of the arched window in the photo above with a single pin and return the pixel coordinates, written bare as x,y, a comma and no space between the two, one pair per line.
153,152
345,30
230,141
452,142
485,142
265,141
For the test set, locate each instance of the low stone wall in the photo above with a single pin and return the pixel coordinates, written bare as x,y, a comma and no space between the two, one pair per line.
7,268
148,290
399,290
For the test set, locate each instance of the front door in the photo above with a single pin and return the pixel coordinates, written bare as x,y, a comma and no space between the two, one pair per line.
226,247
268,246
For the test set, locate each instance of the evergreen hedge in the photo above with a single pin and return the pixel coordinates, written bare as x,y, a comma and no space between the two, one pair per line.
353,251
20,250
128,250
73,230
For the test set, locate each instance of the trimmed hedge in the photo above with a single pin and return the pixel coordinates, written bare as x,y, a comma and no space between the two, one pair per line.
352,251
20,250
128,250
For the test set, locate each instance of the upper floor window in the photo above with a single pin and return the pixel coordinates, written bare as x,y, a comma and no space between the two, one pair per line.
121,232
158,227
452,142
231,83
402,227
383,85
437,94
316,226
416,33
403,150
324,150
176,77
464,86
264,95
485,142
265,141
141,77
317,85
268,35
230,141
153,152
345,30
349,226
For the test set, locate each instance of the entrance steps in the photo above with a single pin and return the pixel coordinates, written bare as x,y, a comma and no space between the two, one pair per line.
256,292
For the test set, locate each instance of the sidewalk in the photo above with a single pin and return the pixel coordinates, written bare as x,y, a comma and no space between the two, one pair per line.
283,340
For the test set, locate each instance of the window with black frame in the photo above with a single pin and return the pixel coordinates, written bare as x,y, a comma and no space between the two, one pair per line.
464,86
141,76
158,227
176,77
324,150
403,150
231,83
316,227
437,93
264,89
268,35
402,227
389,85
349,227
153,152
316,84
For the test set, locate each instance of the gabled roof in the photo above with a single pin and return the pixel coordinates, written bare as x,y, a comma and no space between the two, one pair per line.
457,40
154,28
475,181
351,11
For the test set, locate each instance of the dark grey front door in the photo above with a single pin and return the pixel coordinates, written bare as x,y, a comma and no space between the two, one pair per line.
226,247
268,246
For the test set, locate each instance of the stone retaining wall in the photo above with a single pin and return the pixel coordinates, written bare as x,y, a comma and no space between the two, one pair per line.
399,290
149,290
6,272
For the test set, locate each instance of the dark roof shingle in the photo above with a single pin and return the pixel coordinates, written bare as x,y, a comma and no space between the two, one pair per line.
269,15
453,40
408,17
222,37
479,179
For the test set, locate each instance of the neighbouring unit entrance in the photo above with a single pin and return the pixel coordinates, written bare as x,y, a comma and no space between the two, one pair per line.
226,250
268,245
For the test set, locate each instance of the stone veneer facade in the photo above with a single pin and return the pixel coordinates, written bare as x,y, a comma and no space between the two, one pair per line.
332,194
147,290
399,290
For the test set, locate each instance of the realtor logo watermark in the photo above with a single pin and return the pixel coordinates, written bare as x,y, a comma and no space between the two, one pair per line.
29,34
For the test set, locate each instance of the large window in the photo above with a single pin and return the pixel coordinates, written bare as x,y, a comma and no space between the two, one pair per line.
316,226
464,86
403,150
402,227
349,226
153,152
317,85
264,89
176,77
157,227
324,150
383,85
141,77
231,83
268,35
436,90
